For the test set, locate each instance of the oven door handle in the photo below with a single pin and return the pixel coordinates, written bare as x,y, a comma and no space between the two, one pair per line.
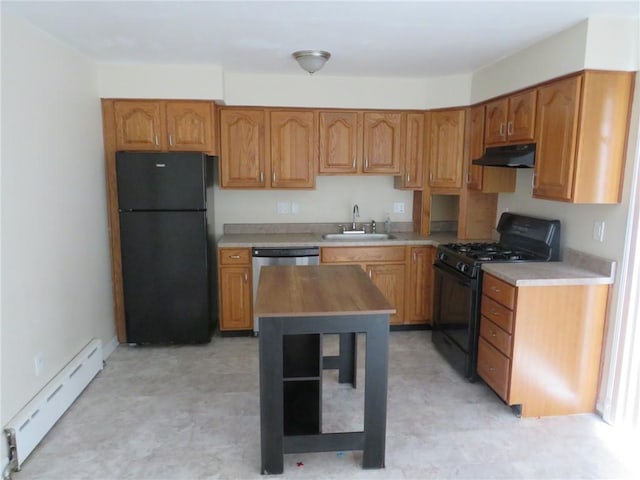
461,279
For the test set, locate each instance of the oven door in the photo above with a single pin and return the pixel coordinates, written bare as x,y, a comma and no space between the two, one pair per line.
456,318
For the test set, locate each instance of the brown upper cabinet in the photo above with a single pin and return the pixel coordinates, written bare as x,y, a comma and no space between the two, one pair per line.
382,142
164,125
511,119
581,133
243,148
376,142
339,142
484,179
267,148
413,153
293,149
446,149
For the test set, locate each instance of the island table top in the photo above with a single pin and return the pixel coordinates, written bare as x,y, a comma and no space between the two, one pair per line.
318,290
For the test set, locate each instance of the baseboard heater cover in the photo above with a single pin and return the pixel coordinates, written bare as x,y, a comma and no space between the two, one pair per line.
25,431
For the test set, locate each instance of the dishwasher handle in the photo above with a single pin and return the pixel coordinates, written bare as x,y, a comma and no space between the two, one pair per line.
286,252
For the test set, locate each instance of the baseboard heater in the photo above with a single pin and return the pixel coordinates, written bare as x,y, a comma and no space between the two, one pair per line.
25,431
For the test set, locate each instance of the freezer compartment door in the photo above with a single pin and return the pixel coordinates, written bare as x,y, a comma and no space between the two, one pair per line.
165,277
161,181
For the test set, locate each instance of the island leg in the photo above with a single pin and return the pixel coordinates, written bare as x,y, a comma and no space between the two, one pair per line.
375,391
347,368
271,396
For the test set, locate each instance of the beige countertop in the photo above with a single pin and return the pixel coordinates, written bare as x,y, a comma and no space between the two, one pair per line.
315,240
577,268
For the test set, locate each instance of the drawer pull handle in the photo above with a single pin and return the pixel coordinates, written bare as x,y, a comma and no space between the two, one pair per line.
495,289
235,257
493,333
491,369
495,313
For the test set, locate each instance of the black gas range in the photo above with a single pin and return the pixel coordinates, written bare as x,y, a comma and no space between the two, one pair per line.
458,281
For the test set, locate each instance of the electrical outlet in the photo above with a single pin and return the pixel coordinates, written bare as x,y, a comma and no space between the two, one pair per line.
295,208
398,207
598,230
38,364
283,208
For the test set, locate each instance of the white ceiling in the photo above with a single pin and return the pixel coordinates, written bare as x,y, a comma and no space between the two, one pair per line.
379,38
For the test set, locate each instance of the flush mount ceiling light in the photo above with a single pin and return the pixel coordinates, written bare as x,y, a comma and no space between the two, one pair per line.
311,60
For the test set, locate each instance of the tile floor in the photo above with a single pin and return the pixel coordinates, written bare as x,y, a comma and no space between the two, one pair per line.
192,412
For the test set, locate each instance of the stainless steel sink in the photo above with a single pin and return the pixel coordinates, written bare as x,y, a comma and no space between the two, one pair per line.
357,237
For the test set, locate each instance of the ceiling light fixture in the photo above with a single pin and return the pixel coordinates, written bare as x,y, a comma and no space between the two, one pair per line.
311,60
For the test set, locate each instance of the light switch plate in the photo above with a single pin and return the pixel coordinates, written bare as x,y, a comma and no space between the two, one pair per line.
598,230
283,208
398,207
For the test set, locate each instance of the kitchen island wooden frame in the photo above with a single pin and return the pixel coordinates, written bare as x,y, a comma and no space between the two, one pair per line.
308,302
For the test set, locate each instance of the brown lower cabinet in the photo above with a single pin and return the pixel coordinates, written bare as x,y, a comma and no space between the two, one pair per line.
235,281
540,346
402,273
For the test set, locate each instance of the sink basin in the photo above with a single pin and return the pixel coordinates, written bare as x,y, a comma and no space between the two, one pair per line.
357,237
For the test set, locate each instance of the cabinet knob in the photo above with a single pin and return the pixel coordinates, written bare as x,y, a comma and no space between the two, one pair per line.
156,138
502,129
246,277
273,177
354,162
171,140
408,178
510,128
261,177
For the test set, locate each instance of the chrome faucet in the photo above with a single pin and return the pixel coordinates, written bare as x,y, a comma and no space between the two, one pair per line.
356,214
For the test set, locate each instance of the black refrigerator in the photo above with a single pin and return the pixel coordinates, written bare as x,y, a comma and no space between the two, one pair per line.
163,240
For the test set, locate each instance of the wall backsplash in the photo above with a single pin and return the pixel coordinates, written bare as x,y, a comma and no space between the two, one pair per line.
331,202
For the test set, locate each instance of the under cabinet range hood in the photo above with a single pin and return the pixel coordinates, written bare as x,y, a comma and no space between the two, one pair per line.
513,156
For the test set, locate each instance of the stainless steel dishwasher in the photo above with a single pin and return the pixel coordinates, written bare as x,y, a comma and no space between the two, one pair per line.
280,256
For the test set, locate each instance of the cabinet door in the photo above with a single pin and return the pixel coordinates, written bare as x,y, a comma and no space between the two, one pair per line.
390,281
522,116
189,126
235,298
556,131
413,147
446,148
139,125
242,148
496,121
419,287
476,146
292,149
382,138
340,142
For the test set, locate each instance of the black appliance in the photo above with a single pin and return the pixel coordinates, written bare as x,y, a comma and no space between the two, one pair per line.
163,241
458,282
514,156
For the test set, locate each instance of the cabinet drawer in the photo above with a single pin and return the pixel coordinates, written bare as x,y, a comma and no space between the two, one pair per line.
493,368
362,254
500,291
496,336
235,256
497,313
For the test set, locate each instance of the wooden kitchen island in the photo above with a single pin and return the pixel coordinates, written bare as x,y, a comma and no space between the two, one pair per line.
296,305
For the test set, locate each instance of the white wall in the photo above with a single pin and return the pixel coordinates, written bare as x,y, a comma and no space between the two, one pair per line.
56,282
130,80
332,202
305,90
